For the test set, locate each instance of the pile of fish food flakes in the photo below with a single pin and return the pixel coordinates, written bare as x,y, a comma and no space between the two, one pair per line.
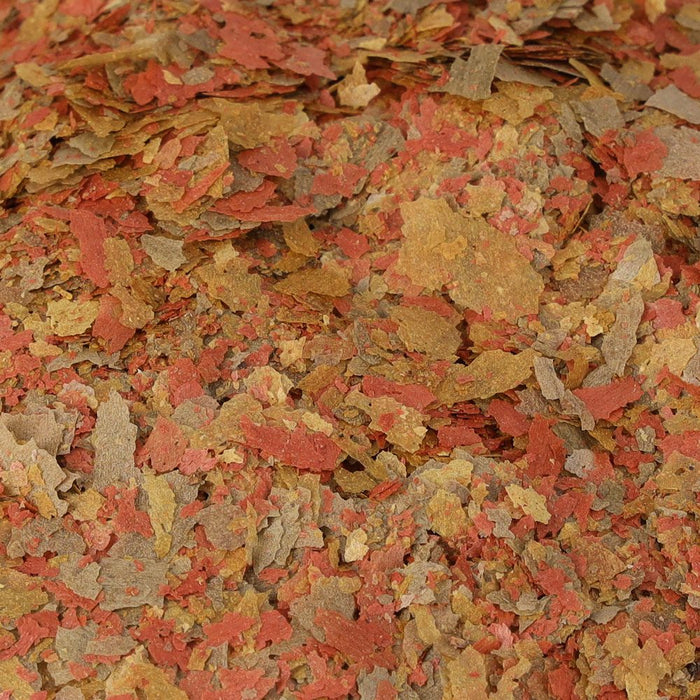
349,350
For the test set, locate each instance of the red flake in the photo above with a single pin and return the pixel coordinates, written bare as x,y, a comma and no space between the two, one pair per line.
413,395
243,202
343,183
198,190
32,628
230,629
290,212
307,60
91,232
667,313
194,460
365,643
687,443
561,683
314,452
128,518
278,159
546,452
646,153
450,436
509,419
165,445
686,79
328,688
108,327
145,85
354,245
249,41
386,421
603,401
183,381
274,628
387,488
11,339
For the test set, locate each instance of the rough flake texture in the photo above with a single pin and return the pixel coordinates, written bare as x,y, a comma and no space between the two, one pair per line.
349,350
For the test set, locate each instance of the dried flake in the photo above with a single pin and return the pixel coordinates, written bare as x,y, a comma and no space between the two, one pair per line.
165,252
355,547
640,670
683,152
229,280
328,281
672,100
600,115
472,78
492,372
79,577
531,502
19,595
638,266
13,679
135,313
425,331
298,237
161,510
466,676
136,672
646,154
354,91
603,401
446,515
516,102
249,125
402,425
349,351
145,577
91,232
552,387
306,451
481,267
71,317
114,441
619,343
32,473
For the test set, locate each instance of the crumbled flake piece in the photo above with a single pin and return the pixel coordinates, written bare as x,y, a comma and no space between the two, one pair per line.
472,78
466,676
425,331
640,670
161,510
403,425
254,124
600,115
638,266
552,387
349,350
531,502
229,280
683,157
481,267
71,317
19,595
671,99
329,281
114,441
492,372
619,343
354,91
165,252
31,472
